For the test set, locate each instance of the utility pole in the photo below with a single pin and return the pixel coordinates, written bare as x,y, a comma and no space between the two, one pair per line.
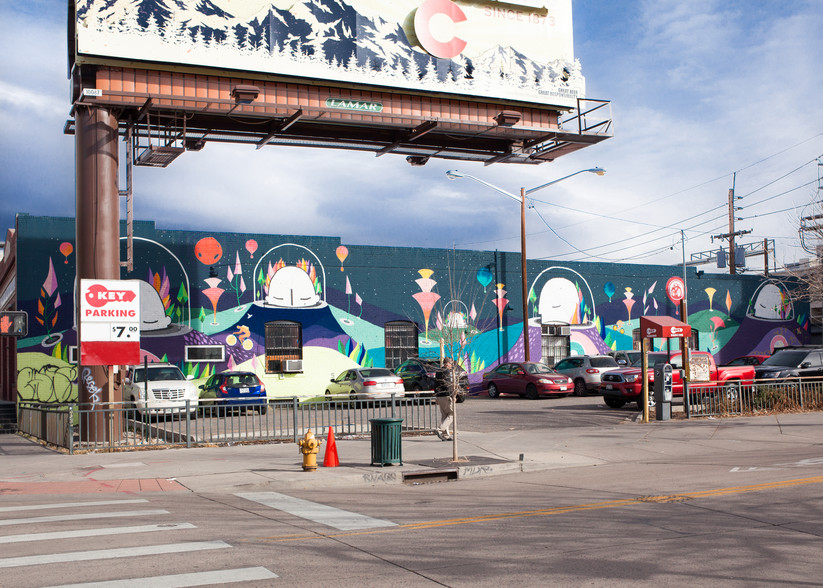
732,233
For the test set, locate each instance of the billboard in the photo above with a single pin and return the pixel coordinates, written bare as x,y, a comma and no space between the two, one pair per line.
520,50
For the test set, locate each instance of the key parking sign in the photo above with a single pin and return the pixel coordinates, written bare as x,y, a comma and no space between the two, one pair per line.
109,322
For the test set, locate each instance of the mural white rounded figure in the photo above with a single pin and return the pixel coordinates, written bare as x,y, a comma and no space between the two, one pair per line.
558,301
456,320
769,304
291,287
152,312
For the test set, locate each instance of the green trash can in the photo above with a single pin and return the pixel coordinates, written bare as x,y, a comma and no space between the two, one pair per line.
386,448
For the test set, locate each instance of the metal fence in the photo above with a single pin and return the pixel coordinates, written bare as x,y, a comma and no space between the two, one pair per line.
761,396
118,426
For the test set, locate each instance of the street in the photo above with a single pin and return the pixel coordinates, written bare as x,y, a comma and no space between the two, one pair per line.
730,512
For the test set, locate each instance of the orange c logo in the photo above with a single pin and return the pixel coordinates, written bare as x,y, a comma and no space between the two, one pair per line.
422,28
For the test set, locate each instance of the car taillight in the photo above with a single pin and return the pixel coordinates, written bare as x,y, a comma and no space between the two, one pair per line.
370,383
431,374
592,371
222,389
399,381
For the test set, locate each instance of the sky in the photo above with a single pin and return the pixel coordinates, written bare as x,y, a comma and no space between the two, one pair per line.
705,95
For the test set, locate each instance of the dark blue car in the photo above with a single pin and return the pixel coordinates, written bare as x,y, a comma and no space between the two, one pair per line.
234,388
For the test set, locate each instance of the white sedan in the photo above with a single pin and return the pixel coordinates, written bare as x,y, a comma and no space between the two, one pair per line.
366,383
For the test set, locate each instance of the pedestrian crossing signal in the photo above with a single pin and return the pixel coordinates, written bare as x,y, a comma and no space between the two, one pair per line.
14,323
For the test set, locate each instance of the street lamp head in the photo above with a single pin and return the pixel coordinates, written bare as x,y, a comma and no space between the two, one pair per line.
453,174
597,170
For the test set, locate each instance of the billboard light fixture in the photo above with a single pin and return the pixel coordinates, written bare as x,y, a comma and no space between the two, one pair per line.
245,94
507,118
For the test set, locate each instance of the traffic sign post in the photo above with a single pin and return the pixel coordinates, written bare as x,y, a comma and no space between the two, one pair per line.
110,322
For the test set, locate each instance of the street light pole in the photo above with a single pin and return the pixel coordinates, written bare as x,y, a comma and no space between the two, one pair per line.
454,174
524,285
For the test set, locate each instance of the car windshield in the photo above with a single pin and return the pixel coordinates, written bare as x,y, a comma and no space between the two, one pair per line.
602,362
159,374
655,359
538,368
375,373
242,380
788,357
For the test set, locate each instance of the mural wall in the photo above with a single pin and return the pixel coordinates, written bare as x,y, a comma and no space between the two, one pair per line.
221,290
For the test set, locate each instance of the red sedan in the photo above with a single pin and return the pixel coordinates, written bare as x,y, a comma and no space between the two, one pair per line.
526,379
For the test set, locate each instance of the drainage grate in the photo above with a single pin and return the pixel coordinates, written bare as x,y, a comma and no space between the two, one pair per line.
430,476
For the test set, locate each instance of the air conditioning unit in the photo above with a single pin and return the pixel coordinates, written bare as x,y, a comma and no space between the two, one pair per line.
293,365
565,330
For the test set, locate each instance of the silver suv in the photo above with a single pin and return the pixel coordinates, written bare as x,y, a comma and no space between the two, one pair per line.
585,371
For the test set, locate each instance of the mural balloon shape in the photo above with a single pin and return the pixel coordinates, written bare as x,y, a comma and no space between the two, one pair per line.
342,254
251,247
485,277
66,248
208,251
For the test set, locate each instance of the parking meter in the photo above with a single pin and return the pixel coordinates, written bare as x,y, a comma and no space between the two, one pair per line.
663,391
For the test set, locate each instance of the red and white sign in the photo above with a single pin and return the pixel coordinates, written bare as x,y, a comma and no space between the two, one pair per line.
109,322
676,289
664,327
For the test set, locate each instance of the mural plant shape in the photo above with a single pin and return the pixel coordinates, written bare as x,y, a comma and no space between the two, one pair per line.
710,292
426,298
500,302
629,302
717,323
213,293
49,301
728,302
485,277
235,279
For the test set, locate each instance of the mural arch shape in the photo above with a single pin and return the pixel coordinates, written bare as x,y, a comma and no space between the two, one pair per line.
560,267
312,253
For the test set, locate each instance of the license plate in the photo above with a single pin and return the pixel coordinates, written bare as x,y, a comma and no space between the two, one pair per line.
609,387
244,390
386,384
562,387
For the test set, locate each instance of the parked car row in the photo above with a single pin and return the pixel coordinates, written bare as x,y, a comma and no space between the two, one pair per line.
161,387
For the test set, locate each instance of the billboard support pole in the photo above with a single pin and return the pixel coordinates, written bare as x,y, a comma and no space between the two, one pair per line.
97,240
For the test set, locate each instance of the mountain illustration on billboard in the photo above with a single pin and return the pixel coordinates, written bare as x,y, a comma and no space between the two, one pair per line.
326,39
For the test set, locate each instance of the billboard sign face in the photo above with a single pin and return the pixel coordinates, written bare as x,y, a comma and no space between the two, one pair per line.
520,50
109,322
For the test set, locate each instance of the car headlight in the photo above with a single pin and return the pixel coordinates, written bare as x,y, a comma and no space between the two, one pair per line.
544,381
771,374
632,378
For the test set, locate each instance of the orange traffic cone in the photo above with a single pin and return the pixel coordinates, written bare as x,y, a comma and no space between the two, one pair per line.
330,458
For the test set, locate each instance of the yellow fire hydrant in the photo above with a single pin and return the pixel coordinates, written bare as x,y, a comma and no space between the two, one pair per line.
309,447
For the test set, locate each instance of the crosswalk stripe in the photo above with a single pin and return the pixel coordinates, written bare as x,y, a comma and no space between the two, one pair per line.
319,513
79,517
184,580
68,505
95,532
73,556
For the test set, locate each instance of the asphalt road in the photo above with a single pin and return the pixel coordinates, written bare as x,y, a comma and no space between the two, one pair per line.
730,517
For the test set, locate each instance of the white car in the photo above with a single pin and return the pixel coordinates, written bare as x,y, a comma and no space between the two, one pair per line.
370,383
166,391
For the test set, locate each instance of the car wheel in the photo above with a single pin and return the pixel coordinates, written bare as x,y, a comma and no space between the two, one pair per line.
531,392
460,398
614,402
493,391
263,409
579,388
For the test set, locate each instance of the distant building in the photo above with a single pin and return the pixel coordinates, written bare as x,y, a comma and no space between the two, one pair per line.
298,310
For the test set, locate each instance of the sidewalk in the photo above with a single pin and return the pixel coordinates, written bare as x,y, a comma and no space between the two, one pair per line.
28,468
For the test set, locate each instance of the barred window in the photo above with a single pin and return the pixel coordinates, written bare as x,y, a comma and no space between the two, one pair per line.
401,342
284,341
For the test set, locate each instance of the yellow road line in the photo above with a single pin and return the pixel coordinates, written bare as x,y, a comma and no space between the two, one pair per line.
559,509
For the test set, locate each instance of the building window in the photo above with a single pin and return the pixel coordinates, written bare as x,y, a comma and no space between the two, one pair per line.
210,353
284,345
401,342
556,343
